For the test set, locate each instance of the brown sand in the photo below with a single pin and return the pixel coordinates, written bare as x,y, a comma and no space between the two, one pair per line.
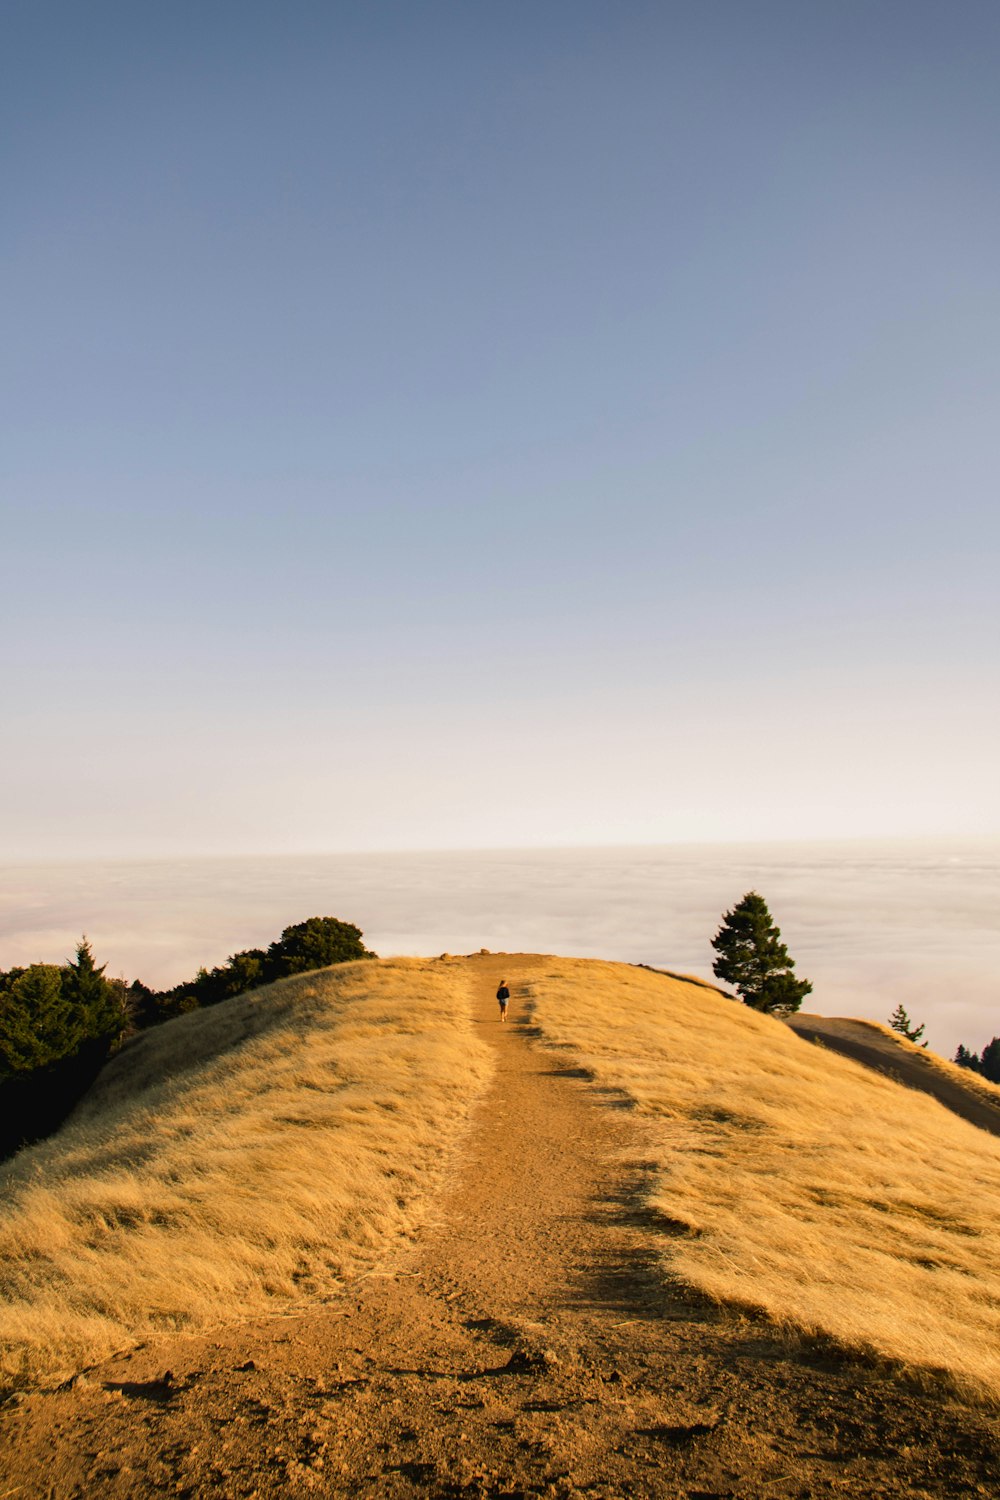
525,1345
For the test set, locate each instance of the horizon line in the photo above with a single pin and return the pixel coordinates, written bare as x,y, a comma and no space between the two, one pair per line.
842,840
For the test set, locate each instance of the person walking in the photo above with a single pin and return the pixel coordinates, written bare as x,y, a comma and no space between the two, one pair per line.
503,995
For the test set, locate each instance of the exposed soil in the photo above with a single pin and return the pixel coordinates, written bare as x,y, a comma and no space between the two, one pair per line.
866,1044
527,1343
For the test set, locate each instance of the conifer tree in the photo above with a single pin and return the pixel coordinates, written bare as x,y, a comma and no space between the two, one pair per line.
37,1022
987,1063
753,959
48,1013
98,1006
989,1060
901,1023
966,1059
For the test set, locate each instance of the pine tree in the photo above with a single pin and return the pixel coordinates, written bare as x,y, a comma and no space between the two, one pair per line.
989,1060
966,1059
99,1008
901,1023
753,959
38,1023
48,1013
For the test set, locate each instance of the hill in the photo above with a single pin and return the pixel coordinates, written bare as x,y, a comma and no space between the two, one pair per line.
658,1239
235,1159
961,1090
793,1180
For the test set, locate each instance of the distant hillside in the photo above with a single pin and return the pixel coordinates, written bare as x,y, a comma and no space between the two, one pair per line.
961,1090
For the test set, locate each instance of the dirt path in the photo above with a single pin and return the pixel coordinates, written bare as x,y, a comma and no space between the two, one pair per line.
527,1344
867,1044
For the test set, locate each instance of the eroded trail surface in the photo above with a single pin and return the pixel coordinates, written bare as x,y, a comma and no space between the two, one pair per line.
527,1344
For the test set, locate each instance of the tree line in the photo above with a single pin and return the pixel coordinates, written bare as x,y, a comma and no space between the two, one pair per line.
985,1063
59,1023
314,944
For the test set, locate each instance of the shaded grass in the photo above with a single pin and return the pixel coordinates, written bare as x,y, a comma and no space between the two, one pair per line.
966,1078
235,1161
797,1182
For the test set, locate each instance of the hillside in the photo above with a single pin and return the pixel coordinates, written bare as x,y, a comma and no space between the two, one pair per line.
959,1089
240,1158
562,1313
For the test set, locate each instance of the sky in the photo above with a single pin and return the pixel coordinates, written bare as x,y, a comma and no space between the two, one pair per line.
437,425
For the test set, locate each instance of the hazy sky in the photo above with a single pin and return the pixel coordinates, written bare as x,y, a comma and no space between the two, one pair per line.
452,424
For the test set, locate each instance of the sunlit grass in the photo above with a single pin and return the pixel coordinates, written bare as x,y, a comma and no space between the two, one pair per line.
236,1161
794,1180
256,1155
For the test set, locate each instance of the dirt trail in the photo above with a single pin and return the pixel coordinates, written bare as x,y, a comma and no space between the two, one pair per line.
866,1044
527,1344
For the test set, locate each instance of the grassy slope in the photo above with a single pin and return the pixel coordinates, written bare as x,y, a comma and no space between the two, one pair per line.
235,1160
794,1180
248,1156
972,1082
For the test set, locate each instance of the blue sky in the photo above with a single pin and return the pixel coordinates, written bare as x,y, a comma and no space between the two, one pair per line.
440,425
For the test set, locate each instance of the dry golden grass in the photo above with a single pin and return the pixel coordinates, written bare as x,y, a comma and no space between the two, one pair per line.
235,1161
794,1180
